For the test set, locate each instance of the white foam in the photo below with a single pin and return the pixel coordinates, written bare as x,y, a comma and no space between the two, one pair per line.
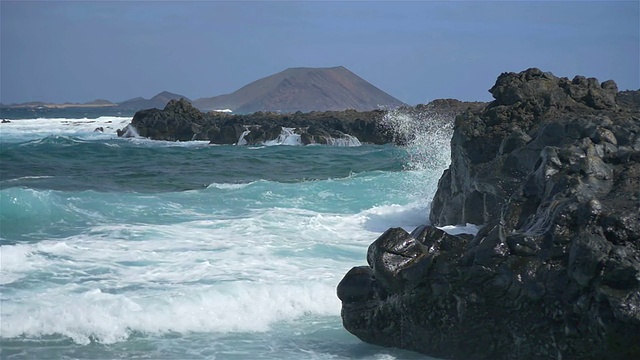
408,217
142,141
107,318
241,140
346,140
287,137
225,186
428,137
471,229
210,275
29,129
27,178
15,262
130,131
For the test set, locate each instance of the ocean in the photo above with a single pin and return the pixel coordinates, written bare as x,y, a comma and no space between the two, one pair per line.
132,248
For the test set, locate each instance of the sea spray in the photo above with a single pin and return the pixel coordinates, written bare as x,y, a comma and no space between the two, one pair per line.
425,134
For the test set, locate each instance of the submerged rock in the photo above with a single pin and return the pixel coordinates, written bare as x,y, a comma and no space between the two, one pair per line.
552,170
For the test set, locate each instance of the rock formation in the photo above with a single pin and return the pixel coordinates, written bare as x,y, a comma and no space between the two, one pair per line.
180,121
551,168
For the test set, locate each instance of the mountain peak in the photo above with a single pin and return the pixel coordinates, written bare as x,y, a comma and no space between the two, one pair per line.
166,94
159,101
304,89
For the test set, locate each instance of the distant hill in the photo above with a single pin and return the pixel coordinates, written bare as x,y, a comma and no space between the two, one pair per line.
100,102
159,101
303,89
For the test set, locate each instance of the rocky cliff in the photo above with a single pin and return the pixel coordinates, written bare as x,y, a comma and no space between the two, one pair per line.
551,168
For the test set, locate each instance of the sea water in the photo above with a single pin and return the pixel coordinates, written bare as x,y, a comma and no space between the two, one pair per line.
133,248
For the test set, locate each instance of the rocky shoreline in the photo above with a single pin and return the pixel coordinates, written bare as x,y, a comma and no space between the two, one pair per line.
180,121
551,168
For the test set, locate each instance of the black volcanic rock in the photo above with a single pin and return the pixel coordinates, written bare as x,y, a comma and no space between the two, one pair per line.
180,121
629,99
304,89
551,168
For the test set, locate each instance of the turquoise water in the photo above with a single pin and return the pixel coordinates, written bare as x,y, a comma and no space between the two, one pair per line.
131,248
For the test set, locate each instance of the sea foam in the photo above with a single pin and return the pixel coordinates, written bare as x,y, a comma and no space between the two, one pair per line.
245,265
31,129
96,315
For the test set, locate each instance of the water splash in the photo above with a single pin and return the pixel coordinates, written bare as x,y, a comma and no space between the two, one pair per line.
130,131
346,140
241,140
426,135
286,137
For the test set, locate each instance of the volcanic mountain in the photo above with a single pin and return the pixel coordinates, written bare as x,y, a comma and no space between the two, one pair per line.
303,89
159,101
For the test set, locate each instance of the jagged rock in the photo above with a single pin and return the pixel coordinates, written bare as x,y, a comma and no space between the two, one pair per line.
629,99
178,121
551,168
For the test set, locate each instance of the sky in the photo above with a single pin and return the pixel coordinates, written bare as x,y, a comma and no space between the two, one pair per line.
417,51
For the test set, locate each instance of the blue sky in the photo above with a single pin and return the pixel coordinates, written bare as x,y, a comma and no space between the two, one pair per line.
78,51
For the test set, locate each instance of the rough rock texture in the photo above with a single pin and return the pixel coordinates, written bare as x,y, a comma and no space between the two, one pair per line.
180,121
629,99
552,169
450,107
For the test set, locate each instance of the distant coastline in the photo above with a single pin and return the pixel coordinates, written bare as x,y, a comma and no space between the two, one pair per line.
294,89
56,106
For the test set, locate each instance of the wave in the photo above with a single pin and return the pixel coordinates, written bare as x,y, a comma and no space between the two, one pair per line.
27,178
103,317
408,217
225,186
215,274
82,120
55,140
289,137
22,130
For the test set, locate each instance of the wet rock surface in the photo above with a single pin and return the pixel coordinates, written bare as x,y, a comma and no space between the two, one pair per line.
180,121
551,168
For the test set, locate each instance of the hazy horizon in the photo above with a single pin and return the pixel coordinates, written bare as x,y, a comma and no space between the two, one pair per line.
77,52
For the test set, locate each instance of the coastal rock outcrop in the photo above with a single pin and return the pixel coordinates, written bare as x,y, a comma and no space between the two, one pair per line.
551,169
180,121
